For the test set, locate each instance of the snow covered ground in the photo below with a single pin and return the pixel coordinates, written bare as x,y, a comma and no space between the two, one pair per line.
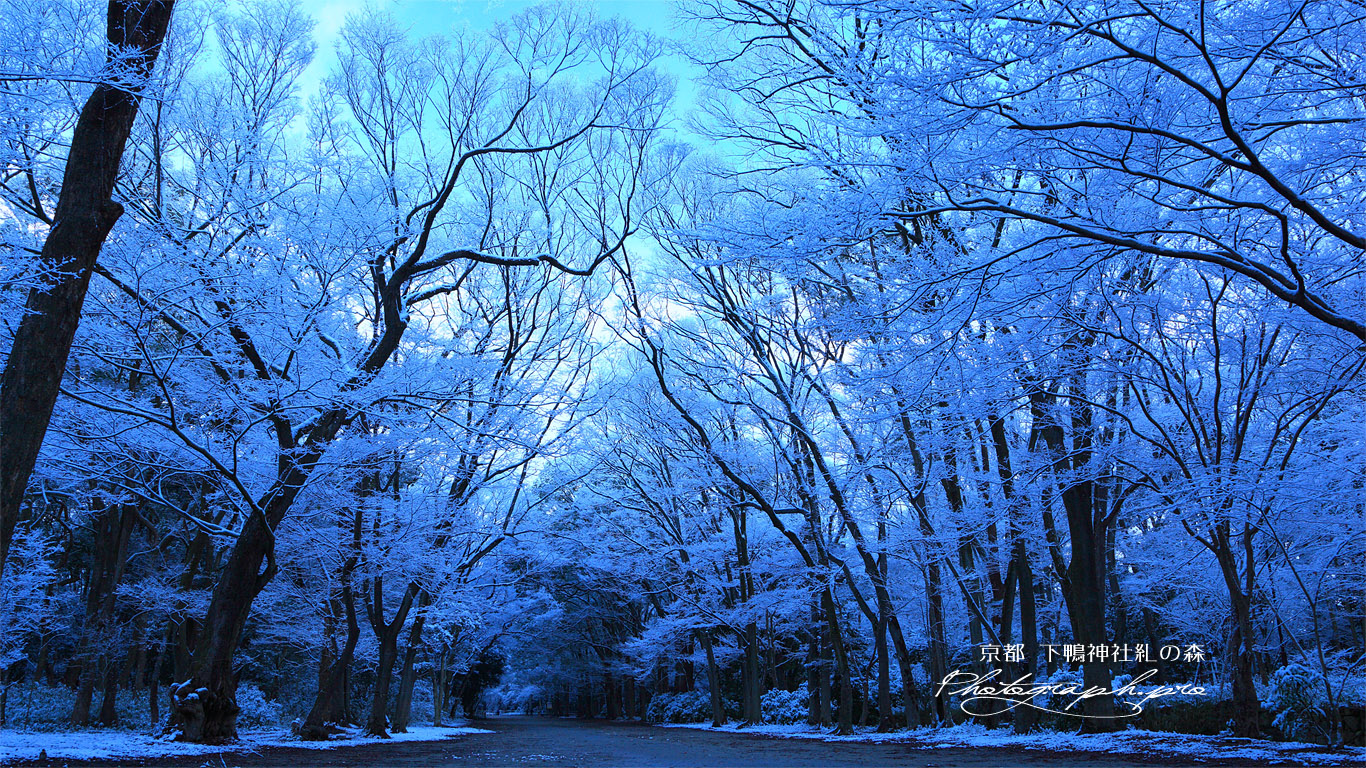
96,744
1133,742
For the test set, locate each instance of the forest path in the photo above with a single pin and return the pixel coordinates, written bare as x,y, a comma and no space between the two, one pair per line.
537,741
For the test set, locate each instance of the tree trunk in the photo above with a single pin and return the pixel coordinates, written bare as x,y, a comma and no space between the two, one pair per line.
328,705
1020,575
407,676
84,215
718,708
113,529
845,711
204,707
387,635
154,682
909,696
1026,717
753,677
108,713
1083,580
1246,706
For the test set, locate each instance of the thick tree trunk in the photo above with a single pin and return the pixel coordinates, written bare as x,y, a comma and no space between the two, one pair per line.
108,712
718,708
328,706
753,676
845,710
204,707
1083,580
387,635
84,215
1246,706
407,676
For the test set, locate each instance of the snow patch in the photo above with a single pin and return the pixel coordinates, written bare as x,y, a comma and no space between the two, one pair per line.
109,744
1130,742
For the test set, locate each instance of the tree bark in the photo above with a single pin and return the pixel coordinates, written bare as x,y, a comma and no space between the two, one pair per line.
407,676
387,635
718,708
328,704
845,710
1020,577
1246,706
1083,578
84,215
113,529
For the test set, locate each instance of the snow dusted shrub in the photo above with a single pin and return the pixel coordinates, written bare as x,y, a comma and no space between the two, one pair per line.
423,700
257,710
40,707
24,604
1060,679
784,707
687,707
1296,696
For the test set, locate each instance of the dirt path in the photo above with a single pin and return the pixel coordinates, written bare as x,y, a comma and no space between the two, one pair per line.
528,741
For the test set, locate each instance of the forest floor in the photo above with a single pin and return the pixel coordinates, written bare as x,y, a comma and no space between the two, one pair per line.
528,741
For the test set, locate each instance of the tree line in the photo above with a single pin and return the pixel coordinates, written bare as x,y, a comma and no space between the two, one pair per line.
934,326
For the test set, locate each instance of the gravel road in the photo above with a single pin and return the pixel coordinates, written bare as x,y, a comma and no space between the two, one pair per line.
534,741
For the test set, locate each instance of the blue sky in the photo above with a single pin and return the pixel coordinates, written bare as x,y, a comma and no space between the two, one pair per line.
655,16
431,16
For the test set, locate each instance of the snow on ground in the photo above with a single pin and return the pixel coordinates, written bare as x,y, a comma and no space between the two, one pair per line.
1134,742
103,744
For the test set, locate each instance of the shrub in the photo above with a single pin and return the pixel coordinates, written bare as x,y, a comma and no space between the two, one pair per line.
687,707
784,707
257,710
1296,695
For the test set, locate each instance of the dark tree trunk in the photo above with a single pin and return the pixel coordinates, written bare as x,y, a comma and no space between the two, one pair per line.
1020,577
113,528
1083,577
753,677
407,676
108,713
204,707
387,635
154,682
1246,706
328,705
441,685
845,709
934,581
1026,717
718,708
84,215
